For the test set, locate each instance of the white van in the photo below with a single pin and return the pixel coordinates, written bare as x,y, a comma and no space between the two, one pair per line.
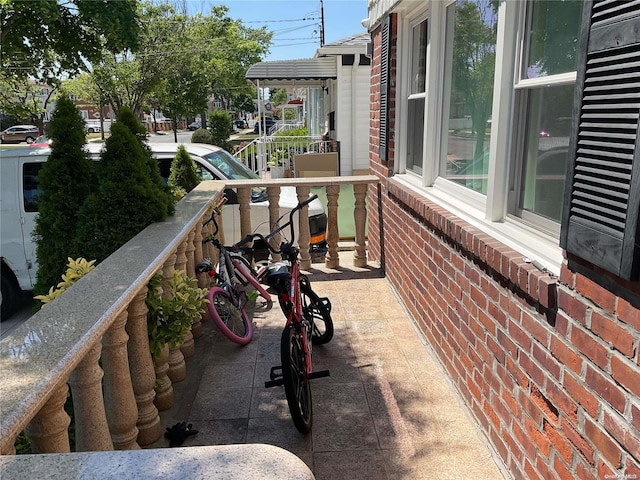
19,193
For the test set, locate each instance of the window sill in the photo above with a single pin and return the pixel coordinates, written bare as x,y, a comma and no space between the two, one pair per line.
530,242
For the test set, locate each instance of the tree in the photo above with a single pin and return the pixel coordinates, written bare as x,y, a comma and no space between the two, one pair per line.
221,129
43,41
125,201
474,61
65,181
183,171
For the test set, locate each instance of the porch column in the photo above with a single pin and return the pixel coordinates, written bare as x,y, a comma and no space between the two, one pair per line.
360,218
332,260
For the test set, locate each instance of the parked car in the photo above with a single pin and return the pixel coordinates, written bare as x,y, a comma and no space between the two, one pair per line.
92,126
20,133
267,123
195,126
41,141
240,124
20,193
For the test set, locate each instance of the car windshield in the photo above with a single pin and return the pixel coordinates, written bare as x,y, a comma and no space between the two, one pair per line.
229,166
234,170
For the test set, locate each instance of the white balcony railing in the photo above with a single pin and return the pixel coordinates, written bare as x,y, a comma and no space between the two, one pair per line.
94,340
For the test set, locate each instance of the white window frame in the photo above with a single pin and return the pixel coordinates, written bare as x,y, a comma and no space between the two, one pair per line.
492,213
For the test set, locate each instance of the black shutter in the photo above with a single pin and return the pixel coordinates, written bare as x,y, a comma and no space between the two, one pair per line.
600,215
385,73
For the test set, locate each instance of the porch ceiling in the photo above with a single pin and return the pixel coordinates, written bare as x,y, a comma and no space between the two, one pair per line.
306,72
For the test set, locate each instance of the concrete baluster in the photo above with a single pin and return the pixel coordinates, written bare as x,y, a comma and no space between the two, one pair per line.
196,329
92,430
332,260
177,368
273,194
143,377
188,347
48,430
189,252
302,229
119,399
360,219
244,198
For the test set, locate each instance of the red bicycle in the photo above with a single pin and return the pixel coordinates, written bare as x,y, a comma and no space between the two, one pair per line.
308,322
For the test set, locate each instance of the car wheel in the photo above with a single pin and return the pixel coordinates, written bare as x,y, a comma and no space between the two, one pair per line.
29,140
8,297
90,130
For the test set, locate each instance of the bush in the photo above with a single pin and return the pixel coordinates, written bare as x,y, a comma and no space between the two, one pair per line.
201,135
126,200
184,175
65,181
221,128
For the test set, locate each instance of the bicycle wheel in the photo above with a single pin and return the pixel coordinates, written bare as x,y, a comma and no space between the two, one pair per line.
231,320
315,311
296,379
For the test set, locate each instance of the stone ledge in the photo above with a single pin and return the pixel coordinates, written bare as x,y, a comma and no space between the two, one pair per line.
228,462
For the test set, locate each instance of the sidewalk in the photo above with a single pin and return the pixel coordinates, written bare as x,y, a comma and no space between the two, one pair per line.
387,411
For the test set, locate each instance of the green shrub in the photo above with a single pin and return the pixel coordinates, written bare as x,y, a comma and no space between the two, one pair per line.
65,182
221,128
184,175
298,132
126,200
201,135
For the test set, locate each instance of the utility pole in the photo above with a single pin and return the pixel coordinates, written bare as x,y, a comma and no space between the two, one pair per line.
321,23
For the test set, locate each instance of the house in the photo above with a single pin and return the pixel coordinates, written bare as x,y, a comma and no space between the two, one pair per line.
505,138
337,99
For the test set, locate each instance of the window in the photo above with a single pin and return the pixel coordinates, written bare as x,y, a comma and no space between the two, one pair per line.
545,91
30,189
416,100
469,77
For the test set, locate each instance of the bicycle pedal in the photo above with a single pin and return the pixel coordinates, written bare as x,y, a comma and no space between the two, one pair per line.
319,374
276,377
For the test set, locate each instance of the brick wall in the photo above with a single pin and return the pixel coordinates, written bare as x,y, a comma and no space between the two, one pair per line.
548,367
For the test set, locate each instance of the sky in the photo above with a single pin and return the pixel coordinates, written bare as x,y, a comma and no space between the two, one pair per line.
296,24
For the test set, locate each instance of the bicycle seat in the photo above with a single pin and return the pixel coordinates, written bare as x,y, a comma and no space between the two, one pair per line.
277,273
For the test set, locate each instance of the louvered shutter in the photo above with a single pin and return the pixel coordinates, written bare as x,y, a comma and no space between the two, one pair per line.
385,71
600,215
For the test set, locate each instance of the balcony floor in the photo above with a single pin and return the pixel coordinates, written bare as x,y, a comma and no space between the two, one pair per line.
386,412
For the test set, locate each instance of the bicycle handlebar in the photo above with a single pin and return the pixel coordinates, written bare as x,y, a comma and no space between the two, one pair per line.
251,236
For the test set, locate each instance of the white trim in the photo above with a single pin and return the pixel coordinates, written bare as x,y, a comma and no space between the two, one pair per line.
568,78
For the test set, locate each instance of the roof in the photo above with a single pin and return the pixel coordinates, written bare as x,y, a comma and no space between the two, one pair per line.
303,72
308,72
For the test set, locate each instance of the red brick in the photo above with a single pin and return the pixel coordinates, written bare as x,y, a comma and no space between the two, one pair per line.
575,308
519,335
562,324
530,407
579,443
530,471
535,326
496,312
583,472
506,343
605,471
544,404
561,469
559,443
632,468
518,374
626,373
567,276
525,440
603,443
541,441
635,416
497,349
579,393
531,369
619,429
620,338
547,291
628,313
546,360
562,401
566,355
543,468
596,293
589,345
605,388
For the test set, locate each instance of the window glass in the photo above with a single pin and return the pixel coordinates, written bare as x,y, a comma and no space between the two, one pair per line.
553,37
469,73
30,189
548,120
416,101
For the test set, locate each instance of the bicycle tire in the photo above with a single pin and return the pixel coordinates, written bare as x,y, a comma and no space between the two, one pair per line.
314,311
296,382
232,321
252,278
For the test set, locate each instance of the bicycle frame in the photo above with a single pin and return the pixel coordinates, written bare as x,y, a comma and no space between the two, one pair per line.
295,315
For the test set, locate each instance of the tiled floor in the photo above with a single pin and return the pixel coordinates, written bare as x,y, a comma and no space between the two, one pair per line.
386,412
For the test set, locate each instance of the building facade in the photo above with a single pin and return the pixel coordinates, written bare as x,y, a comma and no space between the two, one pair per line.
504,134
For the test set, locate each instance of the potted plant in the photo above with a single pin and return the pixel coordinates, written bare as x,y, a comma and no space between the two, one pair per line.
278,162
173,304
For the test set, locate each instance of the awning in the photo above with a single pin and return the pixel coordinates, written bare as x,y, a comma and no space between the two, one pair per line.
307,72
